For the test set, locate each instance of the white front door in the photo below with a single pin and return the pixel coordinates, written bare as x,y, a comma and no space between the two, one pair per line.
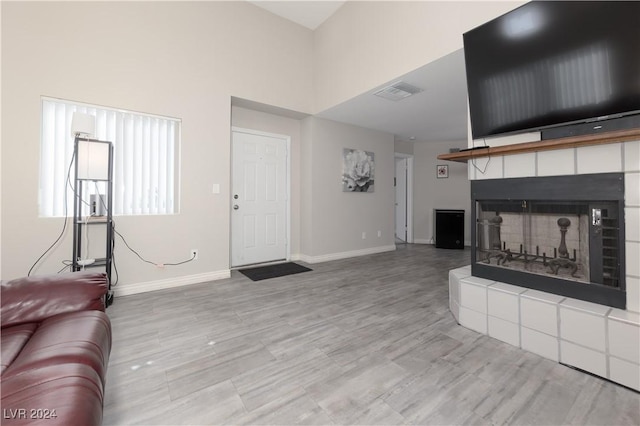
259,205
401,199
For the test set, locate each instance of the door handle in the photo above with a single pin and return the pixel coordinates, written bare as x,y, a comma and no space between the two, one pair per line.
236,207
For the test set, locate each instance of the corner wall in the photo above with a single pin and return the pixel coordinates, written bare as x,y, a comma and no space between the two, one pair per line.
336,220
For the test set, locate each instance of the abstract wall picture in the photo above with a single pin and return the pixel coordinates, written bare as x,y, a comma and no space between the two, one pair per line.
358,170
443,171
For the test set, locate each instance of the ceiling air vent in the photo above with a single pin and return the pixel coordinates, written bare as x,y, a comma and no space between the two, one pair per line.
398,91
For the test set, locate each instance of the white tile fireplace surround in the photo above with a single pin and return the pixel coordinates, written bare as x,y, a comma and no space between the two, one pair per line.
599,339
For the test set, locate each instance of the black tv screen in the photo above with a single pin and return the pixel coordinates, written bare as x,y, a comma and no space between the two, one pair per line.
551,63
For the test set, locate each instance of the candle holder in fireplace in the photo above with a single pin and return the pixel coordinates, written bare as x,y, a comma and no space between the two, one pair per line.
504,255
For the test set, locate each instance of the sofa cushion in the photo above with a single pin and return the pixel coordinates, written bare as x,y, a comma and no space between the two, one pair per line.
64,394
34,299
76,337
12,341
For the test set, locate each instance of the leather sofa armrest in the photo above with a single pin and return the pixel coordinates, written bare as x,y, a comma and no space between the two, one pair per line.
33,299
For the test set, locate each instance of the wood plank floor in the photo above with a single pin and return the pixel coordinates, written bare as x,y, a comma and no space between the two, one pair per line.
360,341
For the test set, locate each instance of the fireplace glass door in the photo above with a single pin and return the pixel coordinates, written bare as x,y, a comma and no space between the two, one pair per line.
571,240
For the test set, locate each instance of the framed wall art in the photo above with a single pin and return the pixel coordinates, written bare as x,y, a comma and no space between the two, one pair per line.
358,170
442,171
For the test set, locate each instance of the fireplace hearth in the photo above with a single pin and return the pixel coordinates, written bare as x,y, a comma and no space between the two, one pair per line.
562,234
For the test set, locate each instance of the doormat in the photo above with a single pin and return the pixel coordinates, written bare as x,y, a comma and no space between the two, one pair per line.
274,271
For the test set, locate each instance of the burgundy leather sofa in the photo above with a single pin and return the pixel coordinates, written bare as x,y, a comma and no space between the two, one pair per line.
56,340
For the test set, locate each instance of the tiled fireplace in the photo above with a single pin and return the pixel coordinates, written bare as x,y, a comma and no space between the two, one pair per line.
599,334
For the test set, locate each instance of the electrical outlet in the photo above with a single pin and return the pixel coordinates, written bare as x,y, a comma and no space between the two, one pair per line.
379,234
364,235
193,254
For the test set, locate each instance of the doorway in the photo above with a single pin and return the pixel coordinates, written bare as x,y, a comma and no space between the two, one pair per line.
403,198
260,197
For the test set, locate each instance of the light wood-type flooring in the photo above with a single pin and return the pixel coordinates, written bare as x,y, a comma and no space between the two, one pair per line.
365,341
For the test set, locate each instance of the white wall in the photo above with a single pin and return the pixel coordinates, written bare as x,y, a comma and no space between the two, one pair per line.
335,220
432,193
403,147
306,179
368,43
181,59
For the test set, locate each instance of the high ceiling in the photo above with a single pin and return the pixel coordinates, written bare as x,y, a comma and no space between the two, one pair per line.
310,14
438,113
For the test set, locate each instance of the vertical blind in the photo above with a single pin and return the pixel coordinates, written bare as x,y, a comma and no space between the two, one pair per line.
146,158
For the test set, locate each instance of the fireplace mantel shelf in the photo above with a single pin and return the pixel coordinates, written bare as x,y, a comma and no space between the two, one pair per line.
546,145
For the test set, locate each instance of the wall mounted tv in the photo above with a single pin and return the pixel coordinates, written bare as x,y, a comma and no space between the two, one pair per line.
553,63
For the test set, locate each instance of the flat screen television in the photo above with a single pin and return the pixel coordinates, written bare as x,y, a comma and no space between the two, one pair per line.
553,63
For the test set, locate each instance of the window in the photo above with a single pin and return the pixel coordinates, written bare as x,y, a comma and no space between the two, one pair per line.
146,158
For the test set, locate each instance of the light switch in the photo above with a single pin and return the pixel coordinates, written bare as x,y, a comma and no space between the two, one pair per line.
216,188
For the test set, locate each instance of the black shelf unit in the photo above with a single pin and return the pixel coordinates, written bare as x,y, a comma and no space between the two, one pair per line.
85,207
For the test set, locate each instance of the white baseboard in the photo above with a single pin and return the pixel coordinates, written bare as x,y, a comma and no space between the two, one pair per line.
346,254
422,241
135,288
